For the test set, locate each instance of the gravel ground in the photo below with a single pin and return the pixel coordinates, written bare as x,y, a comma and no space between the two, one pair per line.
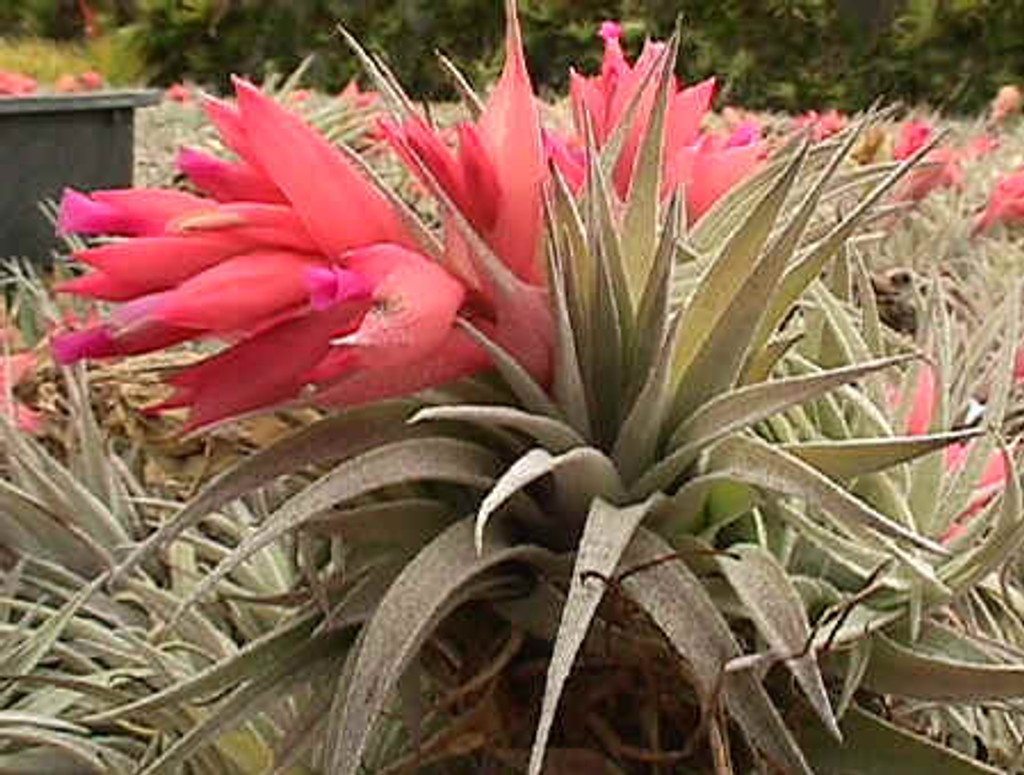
159,132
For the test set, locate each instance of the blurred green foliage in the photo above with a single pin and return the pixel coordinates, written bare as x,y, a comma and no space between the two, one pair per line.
777,54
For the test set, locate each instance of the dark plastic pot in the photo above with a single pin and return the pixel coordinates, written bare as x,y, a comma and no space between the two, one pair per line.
49,142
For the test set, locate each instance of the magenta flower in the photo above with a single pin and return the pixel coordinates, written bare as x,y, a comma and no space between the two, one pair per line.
307,274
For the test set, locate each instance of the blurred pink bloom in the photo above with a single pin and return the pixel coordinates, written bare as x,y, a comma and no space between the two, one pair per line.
979,146
304,270
90,81
178,92
1018,365
359,98
602,101
1005,203
993,477
922,408
67,84
16,84
913,136
710,168
299,96
990,484
823,125
13,370
1008,102
940,168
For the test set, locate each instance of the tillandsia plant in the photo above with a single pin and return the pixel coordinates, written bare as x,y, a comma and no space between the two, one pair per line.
71,648
651,513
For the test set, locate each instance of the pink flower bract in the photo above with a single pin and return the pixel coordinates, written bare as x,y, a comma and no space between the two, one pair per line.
707,166
307,273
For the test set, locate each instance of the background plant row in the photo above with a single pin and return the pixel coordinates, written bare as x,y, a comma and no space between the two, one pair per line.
774,54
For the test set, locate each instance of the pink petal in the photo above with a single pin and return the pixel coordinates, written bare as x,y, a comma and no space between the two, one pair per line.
102,341
589,105
419,144
708,173
686,113
480,179
995,470
252,224
340,208
571,164
28,420
239,293
923,406
227,181
510,131
231,128
415,303
330,285
15,368
610,31
73,346
133,212
264,370
956,456
157,263
98,285
913,136
357,382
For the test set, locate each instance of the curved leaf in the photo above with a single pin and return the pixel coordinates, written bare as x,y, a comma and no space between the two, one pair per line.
849,458
581,475
679,605
810,263
402,462
910,672
340,437
428,588
757,463
567,386
255,658
314,660
873,746
778,611
714,304
742,407
640,221
552,434
637,440
606,534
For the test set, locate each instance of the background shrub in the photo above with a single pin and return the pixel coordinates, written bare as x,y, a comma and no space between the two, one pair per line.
777,54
